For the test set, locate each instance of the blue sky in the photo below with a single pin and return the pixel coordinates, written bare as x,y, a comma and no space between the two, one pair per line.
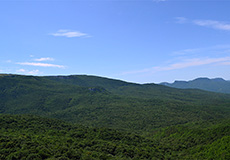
141,41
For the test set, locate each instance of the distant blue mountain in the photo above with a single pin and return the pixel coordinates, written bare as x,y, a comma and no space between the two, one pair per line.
214,85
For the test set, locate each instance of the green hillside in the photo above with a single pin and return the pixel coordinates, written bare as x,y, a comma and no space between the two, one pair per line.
101,102
31,137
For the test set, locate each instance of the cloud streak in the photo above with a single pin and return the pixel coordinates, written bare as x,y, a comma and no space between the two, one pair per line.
192,63
44,59
69,34
213,24
216,49
33,72
41,64
219,25
183,64
181,20
225,63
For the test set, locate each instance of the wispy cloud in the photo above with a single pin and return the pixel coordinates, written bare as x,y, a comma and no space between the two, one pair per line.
192,63
44,59
213,24
219,49
225,63
181,19
183,64
69,34
220,25
33,72
21,70
41,64
9,61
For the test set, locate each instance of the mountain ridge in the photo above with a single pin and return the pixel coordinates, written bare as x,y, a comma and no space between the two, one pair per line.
213,85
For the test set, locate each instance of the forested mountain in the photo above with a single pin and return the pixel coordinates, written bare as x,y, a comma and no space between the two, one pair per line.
102,102
214,85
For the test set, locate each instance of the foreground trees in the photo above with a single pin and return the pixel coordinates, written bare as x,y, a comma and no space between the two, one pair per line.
31,137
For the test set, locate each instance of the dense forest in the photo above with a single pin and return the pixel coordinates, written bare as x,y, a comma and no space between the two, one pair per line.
89,117
31,137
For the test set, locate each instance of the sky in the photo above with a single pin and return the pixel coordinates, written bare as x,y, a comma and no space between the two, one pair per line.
142,41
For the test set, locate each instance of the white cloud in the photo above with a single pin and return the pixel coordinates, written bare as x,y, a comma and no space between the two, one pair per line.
211,49
225,63
21,70
192,63
220,25
45,59
213,24
41,64
69,34
184,64
33,72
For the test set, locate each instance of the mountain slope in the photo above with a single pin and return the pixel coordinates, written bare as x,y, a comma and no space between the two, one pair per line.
128,106
215,85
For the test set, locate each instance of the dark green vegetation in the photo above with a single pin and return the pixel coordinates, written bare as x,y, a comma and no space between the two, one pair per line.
202,140
102,102
31,137
165,122
214,85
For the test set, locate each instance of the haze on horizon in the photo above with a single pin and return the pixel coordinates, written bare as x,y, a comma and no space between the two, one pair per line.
147,41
